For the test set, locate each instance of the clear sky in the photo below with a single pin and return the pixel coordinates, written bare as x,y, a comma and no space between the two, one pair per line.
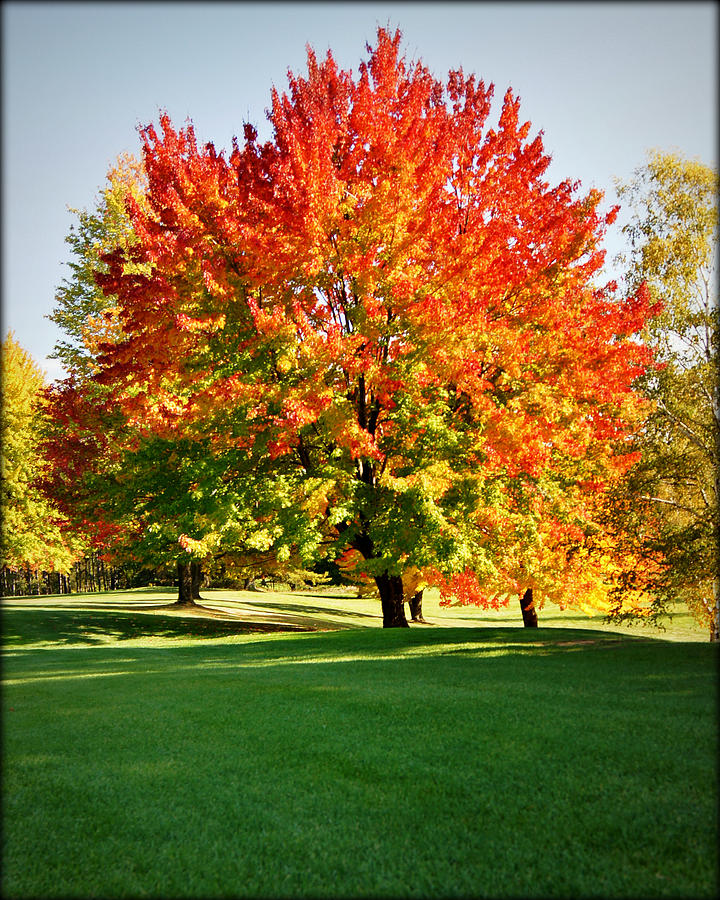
604,81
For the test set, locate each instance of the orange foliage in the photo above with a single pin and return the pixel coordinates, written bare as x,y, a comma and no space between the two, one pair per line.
385,251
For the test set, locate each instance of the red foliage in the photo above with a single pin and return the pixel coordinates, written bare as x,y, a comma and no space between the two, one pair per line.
383,247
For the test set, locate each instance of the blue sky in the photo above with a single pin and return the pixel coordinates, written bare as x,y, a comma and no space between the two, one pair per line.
604,81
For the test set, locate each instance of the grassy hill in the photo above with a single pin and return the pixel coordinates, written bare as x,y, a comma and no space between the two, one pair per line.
152,753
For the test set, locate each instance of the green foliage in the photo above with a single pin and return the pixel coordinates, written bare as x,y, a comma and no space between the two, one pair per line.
31,533
82,311
146,499
671,507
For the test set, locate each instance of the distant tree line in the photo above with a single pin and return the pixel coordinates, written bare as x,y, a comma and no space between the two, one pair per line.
89,574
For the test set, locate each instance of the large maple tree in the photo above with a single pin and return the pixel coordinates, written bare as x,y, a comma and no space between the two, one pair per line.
392,314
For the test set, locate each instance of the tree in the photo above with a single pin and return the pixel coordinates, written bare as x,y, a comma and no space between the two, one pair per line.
86,439
82,311
33,533
670,506
136,495
391,314
78,434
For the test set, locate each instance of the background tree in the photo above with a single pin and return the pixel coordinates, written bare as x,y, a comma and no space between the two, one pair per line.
34,536
145,500
87,438
81,308
391,313
671,506
78,434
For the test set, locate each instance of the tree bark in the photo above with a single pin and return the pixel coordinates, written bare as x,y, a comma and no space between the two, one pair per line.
392,595
189,578
391,599
530,619
415,604
195,580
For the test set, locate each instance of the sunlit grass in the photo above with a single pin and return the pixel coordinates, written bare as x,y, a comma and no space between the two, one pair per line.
125,615
474,760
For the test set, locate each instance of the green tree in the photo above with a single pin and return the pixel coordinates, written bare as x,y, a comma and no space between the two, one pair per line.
32,534
82,311
78,436
671,506
142,499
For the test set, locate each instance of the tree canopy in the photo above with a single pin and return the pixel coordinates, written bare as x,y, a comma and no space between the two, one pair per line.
381,326
669,501
32,535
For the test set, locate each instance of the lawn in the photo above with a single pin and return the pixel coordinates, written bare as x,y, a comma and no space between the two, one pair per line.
147,753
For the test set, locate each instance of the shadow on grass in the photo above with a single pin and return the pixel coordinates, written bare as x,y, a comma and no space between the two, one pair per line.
370,659
309,610
96,626
331,593
71,626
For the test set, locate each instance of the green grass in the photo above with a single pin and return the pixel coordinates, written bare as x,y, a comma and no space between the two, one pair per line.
146,754
329,608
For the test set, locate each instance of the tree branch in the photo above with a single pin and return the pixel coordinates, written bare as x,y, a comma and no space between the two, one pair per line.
672,503
688,431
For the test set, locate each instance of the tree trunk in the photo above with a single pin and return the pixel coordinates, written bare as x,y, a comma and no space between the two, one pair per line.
415,604
195,579
189,576
391,599
530,619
